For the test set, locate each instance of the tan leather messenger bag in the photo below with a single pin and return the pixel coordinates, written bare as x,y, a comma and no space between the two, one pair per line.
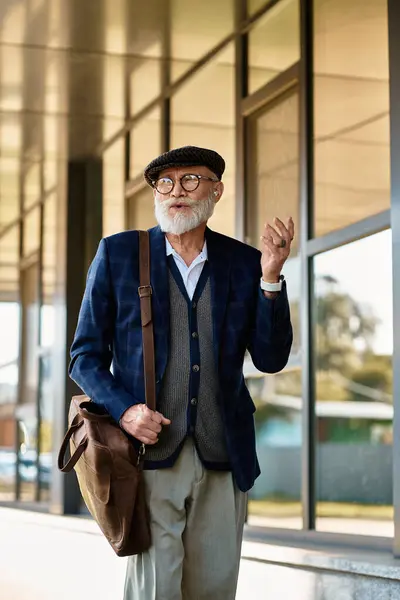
108,468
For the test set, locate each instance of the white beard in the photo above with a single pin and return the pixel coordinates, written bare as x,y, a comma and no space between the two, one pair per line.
180,223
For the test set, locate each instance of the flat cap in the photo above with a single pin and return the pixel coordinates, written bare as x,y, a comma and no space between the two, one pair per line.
187,156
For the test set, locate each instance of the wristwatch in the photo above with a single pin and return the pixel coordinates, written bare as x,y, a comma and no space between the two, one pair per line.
272,287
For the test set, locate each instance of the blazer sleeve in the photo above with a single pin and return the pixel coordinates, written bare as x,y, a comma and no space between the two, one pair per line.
272,335
91,350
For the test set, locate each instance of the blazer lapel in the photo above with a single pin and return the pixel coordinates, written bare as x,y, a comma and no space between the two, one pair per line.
220,265
160,297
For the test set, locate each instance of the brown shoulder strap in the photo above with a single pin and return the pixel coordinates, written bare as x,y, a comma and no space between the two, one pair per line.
145,292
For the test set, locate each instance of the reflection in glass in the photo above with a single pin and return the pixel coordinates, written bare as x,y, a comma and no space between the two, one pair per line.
27,455
141,209
196,28
47,330
31,231
274,169
145,142
46,401
254,5
274,43
145,82
196,120
354,403
275,500
9,355
114,188
9,190
30,333
32,185
9,318
352,154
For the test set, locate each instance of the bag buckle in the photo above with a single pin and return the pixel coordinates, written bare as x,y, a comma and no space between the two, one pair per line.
141,453
145,291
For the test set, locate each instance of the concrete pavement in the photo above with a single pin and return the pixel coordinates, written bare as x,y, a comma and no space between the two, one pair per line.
47,557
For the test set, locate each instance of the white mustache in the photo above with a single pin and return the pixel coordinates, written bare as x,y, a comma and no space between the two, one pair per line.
175,201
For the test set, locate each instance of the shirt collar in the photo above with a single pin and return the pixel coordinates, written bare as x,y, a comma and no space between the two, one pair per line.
169,249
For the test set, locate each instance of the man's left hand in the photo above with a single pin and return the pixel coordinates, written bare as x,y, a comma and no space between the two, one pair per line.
276,248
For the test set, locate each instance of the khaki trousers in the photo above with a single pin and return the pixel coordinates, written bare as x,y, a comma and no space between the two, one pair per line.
197,519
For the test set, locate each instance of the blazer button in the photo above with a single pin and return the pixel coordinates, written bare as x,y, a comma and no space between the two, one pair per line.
196,368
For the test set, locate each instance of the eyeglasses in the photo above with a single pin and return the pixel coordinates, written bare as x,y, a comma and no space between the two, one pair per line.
189,182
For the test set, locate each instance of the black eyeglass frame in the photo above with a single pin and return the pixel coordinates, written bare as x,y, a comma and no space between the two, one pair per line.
173,183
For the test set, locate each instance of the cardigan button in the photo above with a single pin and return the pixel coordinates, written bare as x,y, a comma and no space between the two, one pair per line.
196,368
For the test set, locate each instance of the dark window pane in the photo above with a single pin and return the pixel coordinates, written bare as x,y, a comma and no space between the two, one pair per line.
274,43
352,155
354,403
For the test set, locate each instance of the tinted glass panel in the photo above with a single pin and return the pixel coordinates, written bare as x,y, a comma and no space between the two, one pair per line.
196,28
352,155
114,188
200,121
145,142
274,43
275,500
354,403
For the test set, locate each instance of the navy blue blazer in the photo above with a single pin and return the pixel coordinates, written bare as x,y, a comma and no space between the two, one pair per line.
106,354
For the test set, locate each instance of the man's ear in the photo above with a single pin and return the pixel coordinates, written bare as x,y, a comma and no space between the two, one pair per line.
220,190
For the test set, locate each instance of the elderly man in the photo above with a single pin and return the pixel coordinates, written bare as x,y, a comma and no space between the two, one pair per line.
213,299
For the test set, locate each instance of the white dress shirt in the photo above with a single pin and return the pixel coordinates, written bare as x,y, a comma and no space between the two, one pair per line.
191,274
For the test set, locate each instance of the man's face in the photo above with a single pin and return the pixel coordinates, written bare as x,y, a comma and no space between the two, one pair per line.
182,209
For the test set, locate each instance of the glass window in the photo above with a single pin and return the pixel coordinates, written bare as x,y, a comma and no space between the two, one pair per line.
273,181
47,328
254,5
9,190
201,119
145,82
141,209
354,404
32,185
9,354
31,231
196,28
145,142
274,43
114,188
352,154
275,500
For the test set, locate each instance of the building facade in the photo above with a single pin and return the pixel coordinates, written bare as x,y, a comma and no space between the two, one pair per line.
302,98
